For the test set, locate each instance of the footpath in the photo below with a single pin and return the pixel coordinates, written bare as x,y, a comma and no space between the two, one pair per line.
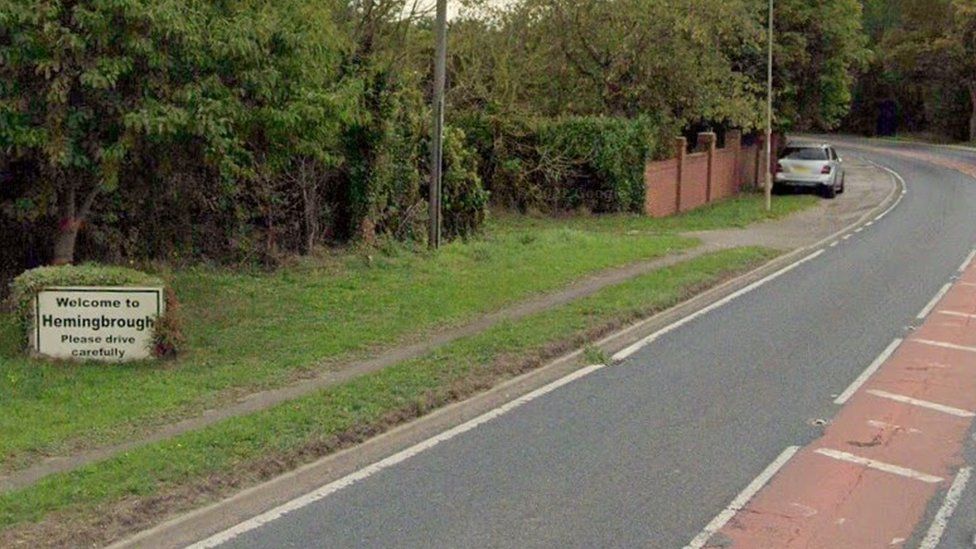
867,187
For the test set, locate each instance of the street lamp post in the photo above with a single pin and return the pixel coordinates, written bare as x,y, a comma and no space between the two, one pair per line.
437,133
769,114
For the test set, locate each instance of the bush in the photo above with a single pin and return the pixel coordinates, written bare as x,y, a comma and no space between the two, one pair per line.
464,198
567,163
168,336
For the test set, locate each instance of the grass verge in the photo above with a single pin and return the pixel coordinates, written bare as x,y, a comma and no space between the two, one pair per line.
252,331
105,500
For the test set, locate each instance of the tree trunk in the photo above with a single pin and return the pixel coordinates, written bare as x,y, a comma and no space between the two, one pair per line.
71,220
64,244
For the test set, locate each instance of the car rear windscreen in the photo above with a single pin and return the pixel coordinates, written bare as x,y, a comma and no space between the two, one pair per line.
805,153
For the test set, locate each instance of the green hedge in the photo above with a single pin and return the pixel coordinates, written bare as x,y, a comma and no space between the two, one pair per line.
566,163
168,336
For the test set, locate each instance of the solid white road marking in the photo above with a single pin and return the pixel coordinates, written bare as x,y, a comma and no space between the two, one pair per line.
879,465
969,284
923,404
956,313
941,521
882,358
945,345
362,474
651,338
968,261
742,499
935,301
904,189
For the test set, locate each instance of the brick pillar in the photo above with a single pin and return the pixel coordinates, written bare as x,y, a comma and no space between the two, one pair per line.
707,140
680,150
733,142
760,153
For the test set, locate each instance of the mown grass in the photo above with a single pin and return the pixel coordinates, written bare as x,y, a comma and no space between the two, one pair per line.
244,450
249,331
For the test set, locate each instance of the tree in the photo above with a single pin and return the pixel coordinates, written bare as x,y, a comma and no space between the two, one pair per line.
89,89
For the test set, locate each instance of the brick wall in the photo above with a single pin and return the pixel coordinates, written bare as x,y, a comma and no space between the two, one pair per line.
691,180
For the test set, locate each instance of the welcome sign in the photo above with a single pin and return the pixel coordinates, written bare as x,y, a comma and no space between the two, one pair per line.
103,324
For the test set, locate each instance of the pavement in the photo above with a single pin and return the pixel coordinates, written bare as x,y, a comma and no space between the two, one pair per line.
723,422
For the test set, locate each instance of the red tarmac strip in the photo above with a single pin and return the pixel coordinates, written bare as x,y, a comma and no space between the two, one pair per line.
894,447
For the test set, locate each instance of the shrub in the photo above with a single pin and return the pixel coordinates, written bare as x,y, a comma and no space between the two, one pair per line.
566,163
168,336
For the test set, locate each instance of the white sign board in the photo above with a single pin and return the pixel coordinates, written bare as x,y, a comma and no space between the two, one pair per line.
103,324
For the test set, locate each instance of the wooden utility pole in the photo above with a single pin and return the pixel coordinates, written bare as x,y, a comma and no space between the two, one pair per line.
437,133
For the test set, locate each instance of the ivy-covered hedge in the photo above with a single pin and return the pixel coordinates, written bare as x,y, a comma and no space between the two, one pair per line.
168,335
566,163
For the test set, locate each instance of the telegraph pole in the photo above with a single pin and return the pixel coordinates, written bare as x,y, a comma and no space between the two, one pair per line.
769,115
437,133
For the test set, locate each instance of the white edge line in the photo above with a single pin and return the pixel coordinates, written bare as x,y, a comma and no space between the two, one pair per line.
866,375
924,313
879,465
742,499
923,404
904,189
941,521
366,472
348,480
969,259
625,353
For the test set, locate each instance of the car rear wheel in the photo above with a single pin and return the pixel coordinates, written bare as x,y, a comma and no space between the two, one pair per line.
829,191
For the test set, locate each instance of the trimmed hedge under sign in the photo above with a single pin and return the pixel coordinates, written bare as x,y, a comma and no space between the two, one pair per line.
96,313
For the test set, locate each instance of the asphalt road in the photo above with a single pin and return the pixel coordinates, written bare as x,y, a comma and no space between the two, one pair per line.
647,452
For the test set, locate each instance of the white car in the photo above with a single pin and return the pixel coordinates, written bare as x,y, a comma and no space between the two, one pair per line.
814,166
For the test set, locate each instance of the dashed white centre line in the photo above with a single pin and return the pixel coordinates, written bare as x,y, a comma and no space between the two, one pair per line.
879,465
862,379
742,499
923,404
941,521
935,301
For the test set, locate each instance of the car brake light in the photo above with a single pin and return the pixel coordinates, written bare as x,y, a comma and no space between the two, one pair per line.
825,170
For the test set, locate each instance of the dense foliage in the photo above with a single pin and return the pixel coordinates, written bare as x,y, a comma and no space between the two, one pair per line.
247,130
922,76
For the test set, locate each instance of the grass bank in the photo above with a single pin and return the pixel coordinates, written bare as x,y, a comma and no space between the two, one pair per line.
250,331
99,502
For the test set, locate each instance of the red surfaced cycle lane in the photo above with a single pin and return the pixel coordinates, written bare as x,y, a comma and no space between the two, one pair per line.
894,446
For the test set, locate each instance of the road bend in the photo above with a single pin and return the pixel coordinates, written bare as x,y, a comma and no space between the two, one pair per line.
650,451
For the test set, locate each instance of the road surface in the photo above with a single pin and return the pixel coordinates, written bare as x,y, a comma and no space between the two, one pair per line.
648,452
